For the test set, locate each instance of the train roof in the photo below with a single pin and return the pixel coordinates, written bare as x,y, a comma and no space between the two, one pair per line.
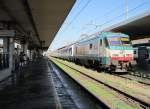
67,46
93,36
102,35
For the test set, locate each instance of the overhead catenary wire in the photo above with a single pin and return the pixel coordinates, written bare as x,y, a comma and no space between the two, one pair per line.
77,15
78,5
102,15
109,12
100,25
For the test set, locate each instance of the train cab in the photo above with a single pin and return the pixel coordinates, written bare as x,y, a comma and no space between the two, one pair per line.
120,52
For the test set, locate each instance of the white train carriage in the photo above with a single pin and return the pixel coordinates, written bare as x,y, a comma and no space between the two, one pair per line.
67,52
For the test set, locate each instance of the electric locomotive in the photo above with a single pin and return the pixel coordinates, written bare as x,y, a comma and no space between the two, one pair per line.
109,50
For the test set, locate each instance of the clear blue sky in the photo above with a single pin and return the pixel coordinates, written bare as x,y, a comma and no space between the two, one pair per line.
94,13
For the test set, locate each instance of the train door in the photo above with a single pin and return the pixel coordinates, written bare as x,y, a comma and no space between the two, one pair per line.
102,49
148,48
135,53
142,53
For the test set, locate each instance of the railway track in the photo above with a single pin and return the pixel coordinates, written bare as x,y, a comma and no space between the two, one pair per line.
134,78
138,74
129,99
64,98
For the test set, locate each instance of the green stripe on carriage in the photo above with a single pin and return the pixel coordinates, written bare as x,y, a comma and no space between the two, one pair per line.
121,47
105,60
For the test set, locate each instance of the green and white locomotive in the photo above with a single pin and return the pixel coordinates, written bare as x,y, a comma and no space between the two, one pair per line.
109,50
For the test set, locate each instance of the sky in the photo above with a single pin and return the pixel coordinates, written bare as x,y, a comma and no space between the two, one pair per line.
91,16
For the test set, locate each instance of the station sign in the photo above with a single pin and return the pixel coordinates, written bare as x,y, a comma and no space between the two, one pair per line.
7,33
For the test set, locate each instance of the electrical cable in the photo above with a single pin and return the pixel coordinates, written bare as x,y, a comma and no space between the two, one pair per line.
77,15
122,14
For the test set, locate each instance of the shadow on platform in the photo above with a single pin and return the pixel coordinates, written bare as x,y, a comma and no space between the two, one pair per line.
35,91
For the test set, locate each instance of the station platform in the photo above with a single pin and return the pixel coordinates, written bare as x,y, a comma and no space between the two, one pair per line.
36,90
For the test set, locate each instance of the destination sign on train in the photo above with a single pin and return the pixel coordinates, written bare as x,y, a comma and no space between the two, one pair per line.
124,39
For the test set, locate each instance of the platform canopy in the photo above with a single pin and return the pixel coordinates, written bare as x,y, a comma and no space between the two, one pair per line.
137,27
38,20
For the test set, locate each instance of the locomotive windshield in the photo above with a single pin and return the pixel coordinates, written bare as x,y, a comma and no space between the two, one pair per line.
117,41
125,40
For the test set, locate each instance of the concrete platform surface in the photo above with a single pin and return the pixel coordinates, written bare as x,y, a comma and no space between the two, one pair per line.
35,92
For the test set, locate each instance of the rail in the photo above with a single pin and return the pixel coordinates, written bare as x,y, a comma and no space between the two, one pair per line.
142,103
139,74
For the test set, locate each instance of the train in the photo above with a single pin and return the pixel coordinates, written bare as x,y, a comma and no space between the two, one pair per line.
142,53
107,50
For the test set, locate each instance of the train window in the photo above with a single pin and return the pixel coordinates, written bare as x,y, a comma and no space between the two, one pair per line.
125,40
100,42
91,46
70,50
114,41
76,50
134,52
106,42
